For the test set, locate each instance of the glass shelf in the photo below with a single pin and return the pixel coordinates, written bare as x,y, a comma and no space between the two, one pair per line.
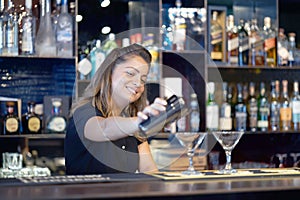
224,67
36,136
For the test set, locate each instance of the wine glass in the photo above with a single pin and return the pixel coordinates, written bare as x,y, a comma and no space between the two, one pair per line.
228,140
191,141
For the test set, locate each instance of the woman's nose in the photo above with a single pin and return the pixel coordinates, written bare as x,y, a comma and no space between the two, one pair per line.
137,82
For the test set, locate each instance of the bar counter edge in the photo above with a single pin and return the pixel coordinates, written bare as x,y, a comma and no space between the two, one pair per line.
235,188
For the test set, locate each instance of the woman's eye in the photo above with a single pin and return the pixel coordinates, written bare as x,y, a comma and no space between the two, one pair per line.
130,73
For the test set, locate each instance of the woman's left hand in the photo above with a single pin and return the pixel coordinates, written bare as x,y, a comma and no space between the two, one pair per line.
159,105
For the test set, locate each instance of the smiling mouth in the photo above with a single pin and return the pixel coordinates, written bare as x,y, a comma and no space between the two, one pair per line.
131,90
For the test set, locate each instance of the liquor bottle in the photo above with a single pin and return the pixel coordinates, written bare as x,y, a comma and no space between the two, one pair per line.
196,30
31,122
64,32
275,106
154,71
11,31
167,37
285,109
97,57
110,44
256,53
212,109
270,43
291,49
243,56
225,122
252,108
240,111
282,48
181,124
216,42
28,30
1,25
232,42
179,30
263,109
232,105
55,14
11,120
295,105
56,123
195,113
45,43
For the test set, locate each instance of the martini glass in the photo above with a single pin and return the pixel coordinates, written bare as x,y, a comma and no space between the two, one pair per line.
228,140
191,141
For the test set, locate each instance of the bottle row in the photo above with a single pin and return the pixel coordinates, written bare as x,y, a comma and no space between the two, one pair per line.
31,122
49,34
249,44
250,112
242,44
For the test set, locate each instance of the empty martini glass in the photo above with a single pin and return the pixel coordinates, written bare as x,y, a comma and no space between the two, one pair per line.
228,140
191,141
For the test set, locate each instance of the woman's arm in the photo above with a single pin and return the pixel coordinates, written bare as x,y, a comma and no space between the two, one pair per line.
112,128
146,163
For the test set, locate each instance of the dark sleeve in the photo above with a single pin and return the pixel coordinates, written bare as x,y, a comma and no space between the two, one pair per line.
82,115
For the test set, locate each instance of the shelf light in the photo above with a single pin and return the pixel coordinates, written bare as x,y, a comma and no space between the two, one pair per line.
79,18
105,30
105,3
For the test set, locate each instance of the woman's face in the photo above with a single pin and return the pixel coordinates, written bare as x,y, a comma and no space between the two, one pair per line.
128,80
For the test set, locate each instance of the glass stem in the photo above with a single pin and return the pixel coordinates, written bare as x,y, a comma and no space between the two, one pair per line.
228,160
190,154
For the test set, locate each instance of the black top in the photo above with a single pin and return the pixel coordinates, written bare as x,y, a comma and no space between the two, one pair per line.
83,156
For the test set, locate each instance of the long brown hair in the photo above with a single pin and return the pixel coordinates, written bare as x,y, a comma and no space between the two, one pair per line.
100,88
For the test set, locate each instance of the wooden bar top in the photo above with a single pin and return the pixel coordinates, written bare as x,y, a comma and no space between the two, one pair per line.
258,187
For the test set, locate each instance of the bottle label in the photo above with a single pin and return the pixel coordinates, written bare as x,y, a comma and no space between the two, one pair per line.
57,124
225,123
296,107
212,116
285,114
264,111
243,44
195,120
12,124
296,111
269,43
34,124
233,44
262,123
227,111
9,38
274,115
27,40
216,42
241,120
65,35
216,55
216,37
253,115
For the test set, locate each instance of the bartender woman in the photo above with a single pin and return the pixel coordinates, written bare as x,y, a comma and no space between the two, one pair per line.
101,131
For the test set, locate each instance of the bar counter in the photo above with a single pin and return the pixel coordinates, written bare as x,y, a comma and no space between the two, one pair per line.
142,186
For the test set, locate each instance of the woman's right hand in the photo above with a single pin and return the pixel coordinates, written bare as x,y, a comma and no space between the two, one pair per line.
159,105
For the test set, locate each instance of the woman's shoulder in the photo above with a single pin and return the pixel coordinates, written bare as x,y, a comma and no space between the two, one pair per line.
87,109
